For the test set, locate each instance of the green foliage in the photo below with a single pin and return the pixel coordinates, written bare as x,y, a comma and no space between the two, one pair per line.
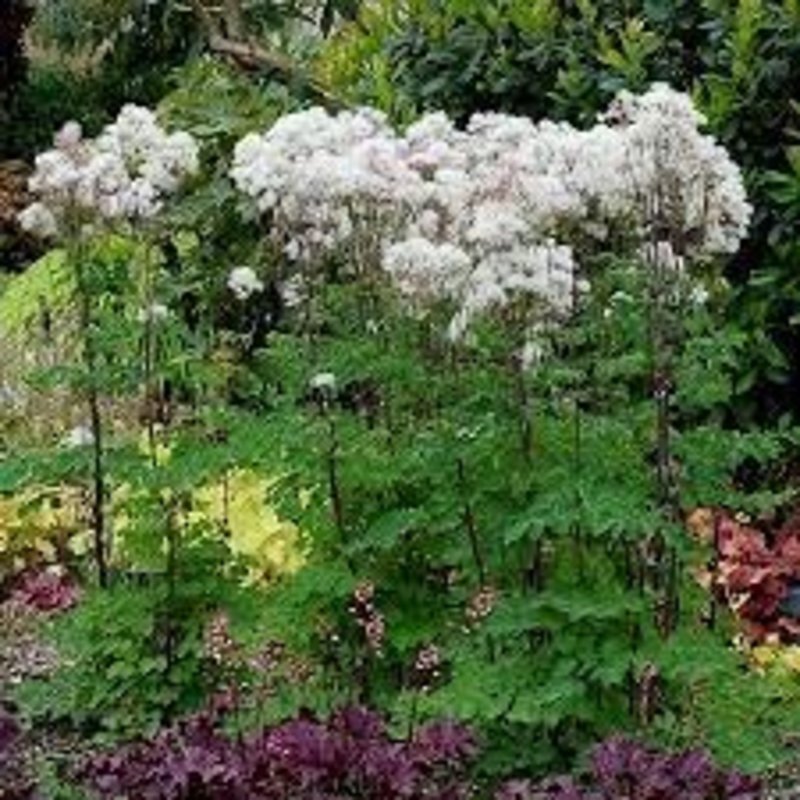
46,281
528,523
219,106
93,56
513,519
80,24
56,92
531,58
437,499
743,714
132,656
90,58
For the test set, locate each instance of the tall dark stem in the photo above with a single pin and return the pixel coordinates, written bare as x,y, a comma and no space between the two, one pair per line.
92,399
662,324
468,516
171,630
334,487
577,445
524,407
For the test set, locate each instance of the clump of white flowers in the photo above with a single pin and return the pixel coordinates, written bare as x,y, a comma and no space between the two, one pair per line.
123,174
319,176
323,381
153,314
244,282
481,216
79,436
682,185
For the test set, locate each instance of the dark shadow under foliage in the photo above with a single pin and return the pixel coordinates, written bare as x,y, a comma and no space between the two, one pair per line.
15,16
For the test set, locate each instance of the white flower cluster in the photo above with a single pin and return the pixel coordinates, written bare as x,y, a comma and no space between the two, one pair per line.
79,436
683,185
320,176
153,314
244,282
125,173
492,212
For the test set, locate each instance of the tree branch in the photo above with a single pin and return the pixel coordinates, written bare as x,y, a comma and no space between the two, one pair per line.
207,19
234,19
250,56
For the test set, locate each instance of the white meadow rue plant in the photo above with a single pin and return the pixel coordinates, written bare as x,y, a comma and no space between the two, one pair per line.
123,174
82,187
504,209
506,216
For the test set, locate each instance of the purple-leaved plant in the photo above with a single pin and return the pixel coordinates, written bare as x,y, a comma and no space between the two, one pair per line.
350,755
625,770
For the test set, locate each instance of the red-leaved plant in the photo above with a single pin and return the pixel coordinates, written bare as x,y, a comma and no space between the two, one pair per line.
46,590
756,575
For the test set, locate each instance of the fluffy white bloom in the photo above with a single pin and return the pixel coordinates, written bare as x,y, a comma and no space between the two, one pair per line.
69,137
123,174
325,178
480,216
38,220
700,295
545,272
244,282
323,381
79,436
423,268
154,314
684,181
